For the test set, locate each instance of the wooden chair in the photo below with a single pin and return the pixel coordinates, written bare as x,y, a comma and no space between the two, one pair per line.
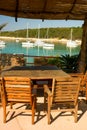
64,96
18,90
0,90
86,85
83,81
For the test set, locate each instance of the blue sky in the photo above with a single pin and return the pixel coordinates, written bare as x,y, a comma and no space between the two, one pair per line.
33,23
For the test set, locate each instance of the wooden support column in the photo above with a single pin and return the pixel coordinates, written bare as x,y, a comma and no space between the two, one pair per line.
83,52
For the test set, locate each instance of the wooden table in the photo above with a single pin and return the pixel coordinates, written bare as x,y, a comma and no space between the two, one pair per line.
39,74
36,72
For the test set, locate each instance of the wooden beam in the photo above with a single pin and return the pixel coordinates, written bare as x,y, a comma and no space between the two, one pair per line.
70,11
83,52
16,10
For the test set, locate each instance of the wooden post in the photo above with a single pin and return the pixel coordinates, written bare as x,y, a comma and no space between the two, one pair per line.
83,52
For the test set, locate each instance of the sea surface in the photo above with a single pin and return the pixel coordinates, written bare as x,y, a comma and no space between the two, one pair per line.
59,49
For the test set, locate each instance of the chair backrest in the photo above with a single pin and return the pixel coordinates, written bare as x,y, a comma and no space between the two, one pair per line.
17,89
66,90
0,90
83,80
85,77
79,75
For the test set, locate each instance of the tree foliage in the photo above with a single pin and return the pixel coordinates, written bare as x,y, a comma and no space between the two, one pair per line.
53,33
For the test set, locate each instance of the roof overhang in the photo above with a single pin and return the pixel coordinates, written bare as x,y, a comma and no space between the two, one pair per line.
45,9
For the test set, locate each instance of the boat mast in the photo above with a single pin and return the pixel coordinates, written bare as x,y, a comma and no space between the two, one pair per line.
27,30
38,31
47,32
71,34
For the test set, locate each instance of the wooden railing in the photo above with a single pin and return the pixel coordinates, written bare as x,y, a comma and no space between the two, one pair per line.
21,59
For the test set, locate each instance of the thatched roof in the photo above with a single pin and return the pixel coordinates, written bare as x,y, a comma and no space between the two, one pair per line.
45,9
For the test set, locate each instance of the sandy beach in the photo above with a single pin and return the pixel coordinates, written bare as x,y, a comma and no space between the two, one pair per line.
50,40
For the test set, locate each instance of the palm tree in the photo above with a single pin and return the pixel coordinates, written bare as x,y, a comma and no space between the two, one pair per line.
2,26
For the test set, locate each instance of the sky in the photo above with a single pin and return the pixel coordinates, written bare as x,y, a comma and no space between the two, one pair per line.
34,23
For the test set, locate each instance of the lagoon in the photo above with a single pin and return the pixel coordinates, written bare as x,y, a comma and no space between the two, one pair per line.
59,49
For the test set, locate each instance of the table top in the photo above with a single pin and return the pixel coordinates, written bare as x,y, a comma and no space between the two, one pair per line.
36,72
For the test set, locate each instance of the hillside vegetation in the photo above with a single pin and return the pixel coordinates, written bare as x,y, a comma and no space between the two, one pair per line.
53,33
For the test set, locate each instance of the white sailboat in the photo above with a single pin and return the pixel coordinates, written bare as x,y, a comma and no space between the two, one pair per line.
71,44
27,43
38,42
48,45
2,44
17,40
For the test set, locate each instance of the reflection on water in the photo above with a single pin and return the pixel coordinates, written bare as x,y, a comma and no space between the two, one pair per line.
59,49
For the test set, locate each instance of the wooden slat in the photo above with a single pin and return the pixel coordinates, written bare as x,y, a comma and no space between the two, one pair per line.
83,81
17,88
65,90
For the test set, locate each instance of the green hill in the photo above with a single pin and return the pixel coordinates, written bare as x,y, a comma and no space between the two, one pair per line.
53,33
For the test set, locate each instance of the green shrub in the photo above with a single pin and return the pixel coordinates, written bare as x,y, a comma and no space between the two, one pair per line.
69,63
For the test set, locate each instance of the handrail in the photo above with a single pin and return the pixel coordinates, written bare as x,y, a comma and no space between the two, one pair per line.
6,59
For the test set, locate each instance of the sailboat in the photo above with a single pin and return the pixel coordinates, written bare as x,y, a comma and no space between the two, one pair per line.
71,44
27,43
2,44
48,45
17,40
38,42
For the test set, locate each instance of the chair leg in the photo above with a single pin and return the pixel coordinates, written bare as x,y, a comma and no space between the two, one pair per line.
33,109
49,109
75,113
86,93
4,109
33,116
45,100
11,105
4,113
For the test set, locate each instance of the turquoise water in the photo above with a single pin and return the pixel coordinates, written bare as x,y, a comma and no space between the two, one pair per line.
59,49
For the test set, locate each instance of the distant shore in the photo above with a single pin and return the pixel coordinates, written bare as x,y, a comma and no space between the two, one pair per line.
50,40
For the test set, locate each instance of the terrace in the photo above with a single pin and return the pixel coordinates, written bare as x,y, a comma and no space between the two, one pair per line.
63,121
69,9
